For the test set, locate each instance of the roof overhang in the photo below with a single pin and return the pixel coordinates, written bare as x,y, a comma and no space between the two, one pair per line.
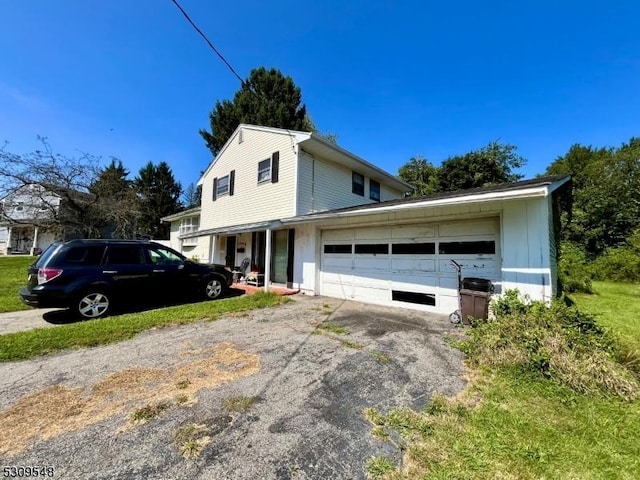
235,229
183,214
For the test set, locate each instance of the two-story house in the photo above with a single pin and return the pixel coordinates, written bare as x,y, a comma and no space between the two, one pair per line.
26,220
310,215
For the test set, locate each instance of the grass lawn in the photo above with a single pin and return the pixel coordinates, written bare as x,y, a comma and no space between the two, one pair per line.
29,344
617,306
13,276
513,425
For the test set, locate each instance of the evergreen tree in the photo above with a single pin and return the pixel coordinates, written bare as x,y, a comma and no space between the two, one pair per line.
159,196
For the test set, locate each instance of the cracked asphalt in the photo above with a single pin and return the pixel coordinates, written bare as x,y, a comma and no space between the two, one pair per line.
310,391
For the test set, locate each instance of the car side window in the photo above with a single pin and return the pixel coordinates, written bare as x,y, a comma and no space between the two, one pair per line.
84,255
125,255
162,256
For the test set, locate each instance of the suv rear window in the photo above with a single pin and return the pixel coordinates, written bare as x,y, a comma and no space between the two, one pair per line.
46,255
84,255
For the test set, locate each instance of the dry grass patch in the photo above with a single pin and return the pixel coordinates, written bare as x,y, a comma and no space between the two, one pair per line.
239,404
59,409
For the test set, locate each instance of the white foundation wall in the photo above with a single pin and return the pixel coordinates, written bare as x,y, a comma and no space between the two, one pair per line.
526,248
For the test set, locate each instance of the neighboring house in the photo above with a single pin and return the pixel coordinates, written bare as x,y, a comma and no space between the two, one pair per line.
26,224
313,216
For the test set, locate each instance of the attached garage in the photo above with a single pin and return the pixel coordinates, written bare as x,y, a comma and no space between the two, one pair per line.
408,265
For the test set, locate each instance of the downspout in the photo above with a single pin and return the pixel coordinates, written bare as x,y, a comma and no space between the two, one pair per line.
313,183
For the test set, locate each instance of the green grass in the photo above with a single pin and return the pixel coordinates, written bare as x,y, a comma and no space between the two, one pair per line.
515,425
333,328
617,306
239,404
29,344
13,276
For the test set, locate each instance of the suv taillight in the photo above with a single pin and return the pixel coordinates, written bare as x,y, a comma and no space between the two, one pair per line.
47,274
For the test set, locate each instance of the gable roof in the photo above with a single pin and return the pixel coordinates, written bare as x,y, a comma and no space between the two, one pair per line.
317,145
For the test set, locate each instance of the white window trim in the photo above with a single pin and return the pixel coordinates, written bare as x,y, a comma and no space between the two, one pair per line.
220,193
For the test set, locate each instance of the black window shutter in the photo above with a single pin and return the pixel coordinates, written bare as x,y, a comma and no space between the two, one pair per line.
215,187
275,166
232,177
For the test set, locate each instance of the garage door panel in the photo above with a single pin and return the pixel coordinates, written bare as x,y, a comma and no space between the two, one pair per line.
372,234
470,228
371,263
371,294
340,262
415,234
416,265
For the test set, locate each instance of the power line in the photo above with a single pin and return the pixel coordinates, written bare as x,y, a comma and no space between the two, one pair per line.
208,41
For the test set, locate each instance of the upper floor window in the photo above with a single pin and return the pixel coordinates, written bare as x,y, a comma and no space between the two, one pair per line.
374,190
357,184
264,170
268,169
222,188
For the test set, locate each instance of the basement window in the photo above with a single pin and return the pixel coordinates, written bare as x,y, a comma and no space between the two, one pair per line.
337,249
467,248
413,248
373,248
413,297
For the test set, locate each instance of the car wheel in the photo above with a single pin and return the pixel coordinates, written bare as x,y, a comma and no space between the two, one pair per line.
455,317
93,304
213,288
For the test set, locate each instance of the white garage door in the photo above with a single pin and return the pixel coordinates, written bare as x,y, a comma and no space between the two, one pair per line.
408,265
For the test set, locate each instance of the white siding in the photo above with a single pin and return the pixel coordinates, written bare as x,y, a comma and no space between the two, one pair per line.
4,231
306,257
325,185
526,248
251,202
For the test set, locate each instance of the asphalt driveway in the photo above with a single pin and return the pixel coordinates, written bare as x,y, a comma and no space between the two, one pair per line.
264,394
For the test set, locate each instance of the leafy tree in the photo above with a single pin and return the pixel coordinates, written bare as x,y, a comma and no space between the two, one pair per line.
606,194
159,196
420,173
118,203
266,98
490,165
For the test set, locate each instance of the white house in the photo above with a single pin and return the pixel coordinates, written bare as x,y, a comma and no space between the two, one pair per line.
25,220
313,216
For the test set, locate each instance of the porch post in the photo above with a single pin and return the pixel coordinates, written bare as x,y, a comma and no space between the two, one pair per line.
8,249
35,241
267,259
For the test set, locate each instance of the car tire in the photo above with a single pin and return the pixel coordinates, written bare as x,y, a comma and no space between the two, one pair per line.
93,304
455,317
213,288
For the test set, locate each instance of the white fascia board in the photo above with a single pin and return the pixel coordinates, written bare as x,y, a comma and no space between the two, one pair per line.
477,198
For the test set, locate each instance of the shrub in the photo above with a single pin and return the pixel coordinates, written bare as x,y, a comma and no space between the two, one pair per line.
574,270
558,342
618,264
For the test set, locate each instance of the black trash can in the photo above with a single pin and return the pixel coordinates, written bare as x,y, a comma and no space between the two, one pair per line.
475,295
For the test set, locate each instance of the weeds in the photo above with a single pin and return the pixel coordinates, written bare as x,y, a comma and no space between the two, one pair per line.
383,358
191,439
149,412
377,467
239,404
333,328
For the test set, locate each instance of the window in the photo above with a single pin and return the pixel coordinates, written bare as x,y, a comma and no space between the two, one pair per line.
373,248
467,248
222,188
337,249
413,297
125,255
84,255
413,248
374,190
357,184
264,170
162,256
188,225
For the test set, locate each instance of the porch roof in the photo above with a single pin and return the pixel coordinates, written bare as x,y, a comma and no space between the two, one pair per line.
244,228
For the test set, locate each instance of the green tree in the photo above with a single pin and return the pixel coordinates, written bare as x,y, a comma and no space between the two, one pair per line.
420,173
159,196
192,195
117,204
490,165
606,194
266,98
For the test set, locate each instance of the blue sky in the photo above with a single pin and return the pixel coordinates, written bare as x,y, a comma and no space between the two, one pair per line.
132,80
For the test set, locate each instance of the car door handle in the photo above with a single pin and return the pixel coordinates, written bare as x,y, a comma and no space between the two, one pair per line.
158,271
109,271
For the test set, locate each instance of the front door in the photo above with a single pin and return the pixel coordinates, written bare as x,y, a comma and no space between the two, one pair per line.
280,256
230,252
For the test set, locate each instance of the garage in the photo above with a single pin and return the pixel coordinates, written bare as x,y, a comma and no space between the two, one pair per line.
409,265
